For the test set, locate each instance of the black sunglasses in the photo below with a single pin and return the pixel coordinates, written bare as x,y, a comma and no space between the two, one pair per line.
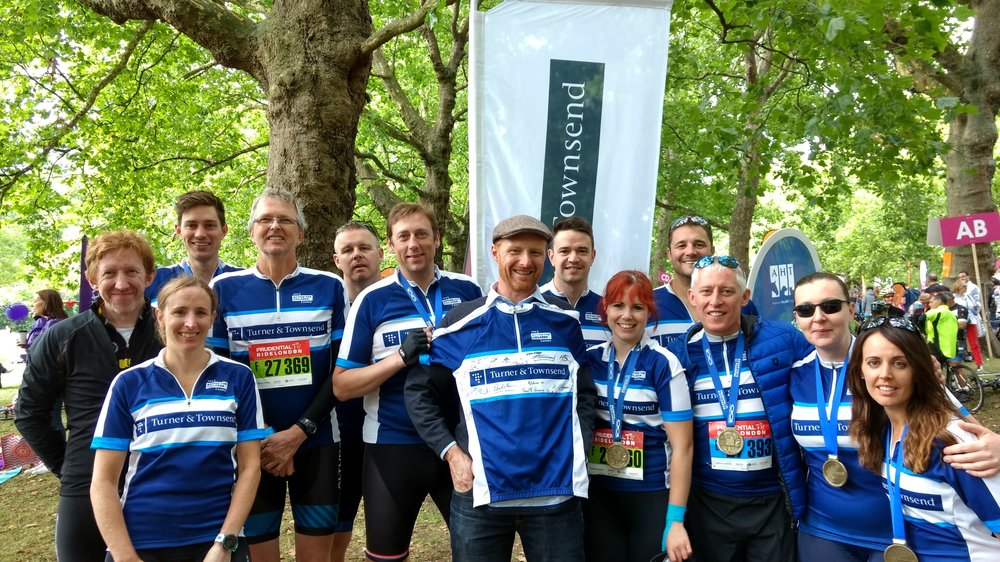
893,321
831,306
690,219
725,261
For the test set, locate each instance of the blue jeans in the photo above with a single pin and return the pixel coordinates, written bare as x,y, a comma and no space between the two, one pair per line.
485,535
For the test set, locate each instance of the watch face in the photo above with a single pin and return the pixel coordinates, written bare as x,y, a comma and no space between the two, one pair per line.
230,543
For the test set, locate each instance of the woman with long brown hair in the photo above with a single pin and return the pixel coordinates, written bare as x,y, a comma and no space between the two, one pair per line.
901,419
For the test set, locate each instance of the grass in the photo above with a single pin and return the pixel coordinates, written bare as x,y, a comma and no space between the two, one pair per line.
27,509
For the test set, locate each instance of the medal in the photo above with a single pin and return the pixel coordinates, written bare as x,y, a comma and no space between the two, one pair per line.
617,456
897,552
730,441
835,472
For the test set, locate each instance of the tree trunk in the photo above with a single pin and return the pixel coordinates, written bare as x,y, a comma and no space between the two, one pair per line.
972,138
316,91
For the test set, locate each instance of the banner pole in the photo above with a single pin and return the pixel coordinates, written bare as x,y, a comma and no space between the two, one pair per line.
982,320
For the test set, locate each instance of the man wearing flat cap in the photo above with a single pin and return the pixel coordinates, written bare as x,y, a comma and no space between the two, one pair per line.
514,361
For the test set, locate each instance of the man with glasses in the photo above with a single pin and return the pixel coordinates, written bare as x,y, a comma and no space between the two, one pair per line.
387,331
572,253
689,239
201,226
747,465
357,252
286,321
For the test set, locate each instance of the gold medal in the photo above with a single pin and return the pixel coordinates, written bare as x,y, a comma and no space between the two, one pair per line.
835,472
730,441
617,456
897,552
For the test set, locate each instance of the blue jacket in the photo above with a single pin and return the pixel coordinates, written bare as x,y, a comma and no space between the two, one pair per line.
771,349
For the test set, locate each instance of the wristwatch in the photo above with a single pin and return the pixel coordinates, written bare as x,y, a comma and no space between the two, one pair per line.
307,426
229,542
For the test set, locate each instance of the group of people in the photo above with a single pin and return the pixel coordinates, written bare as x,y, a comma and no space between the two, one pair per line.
646,422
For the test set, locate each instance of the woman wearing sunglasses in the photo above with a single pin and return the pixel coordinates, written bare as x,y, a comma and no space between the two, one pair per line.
640,463
902,419
846,510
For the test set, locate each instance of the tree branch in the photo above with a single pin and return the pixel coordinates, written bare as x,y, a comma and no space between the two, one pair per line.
230,38
362,156
397,27
419,131
949,58
9,178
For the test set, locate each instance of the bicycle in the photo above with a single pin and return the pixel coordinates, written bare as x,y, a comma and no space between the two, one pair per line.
965,384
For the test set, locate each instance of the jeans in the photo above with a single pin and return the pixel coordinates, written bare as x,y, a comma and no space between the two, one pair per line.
549,534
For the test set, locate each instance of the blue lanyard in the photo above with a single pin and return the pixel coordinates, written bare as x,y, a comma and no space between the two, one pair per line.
728,404
892,484
616,405
430,320
828,424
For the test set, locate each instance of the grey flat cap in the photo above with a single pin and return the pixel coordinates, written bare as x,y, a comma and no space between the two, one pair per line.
521,224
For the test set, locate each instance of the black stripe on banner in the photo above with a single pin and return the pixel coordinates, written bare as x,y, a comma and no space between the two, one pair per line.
572,141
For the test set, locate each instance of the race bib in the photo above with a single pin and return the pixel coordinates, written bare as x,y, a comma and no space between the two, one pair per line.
597,463
756,451
281,364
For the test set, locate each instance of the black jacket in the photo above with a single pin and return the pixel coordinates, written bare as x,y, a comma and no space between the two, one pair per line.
76,359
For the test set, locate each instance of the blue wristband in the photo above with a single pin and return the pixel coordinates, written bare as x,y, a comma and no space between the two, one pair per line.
675,513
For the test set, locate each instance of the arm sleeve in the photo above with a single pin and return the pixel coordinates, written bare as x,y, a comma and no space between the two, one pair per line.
114,425
43,381
429,392
586,403
324,400
249,414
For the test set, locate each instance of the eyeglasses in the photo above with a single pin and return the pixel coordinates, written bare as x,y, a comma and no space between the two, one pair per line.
893,321
725,261
831,306
268,221
690,219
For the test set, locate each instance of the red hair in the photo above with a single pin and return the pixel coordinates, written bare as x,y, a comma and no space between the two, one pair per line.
624,284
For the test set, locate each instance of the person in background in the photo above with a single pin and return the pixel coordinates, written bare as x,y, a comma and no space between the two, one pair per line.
901,420
47,309
689,239
572,254
76,360
964,298
201,226
357,253
867,301
640,463
189,423
941,327
933,287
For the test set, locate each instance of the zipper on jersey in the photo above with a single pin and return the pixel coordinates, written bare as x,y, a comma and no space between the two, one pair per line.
517,330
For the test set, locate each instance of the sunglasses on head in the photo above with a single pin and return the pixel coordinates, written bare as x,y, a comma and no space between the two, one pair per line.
724,261
892,321
689,219
831,306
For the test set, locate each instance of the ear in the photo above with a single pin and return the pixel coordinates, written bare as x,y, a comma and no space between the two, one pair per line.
551,254
495,253
225,230
177,230
159,315
150,277
746,297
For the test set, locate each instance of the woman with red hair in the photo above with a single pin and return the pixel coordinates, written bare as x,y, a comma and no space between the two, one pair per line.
640,462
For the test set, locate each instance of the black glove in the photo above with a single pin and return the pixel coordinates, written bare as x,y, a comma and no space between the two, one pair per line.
414,345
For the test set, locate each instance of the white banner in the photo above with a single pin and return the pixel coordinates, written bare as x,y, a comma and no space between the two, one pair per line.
566,105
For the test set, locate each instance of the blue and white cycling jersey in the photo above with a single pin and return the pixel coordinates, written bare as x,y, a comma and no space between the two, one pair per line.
165,274
377,324
949,515
284,333
182,463
594,331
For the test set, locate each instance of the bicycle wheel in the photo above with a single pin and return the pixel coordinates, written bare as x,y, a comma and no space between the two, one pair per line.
970,394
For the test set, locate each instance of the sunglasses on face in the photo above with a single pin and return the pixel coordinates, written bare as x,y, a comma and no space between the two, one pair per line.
831,306
689,219
892,321
724,261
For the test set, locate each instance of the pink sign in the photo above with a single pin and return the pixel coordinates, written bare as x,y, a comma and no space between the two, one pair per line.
970,229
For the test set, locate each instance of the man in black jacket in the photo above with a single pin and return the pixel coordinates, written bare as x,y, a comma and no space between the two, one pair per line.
77,359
